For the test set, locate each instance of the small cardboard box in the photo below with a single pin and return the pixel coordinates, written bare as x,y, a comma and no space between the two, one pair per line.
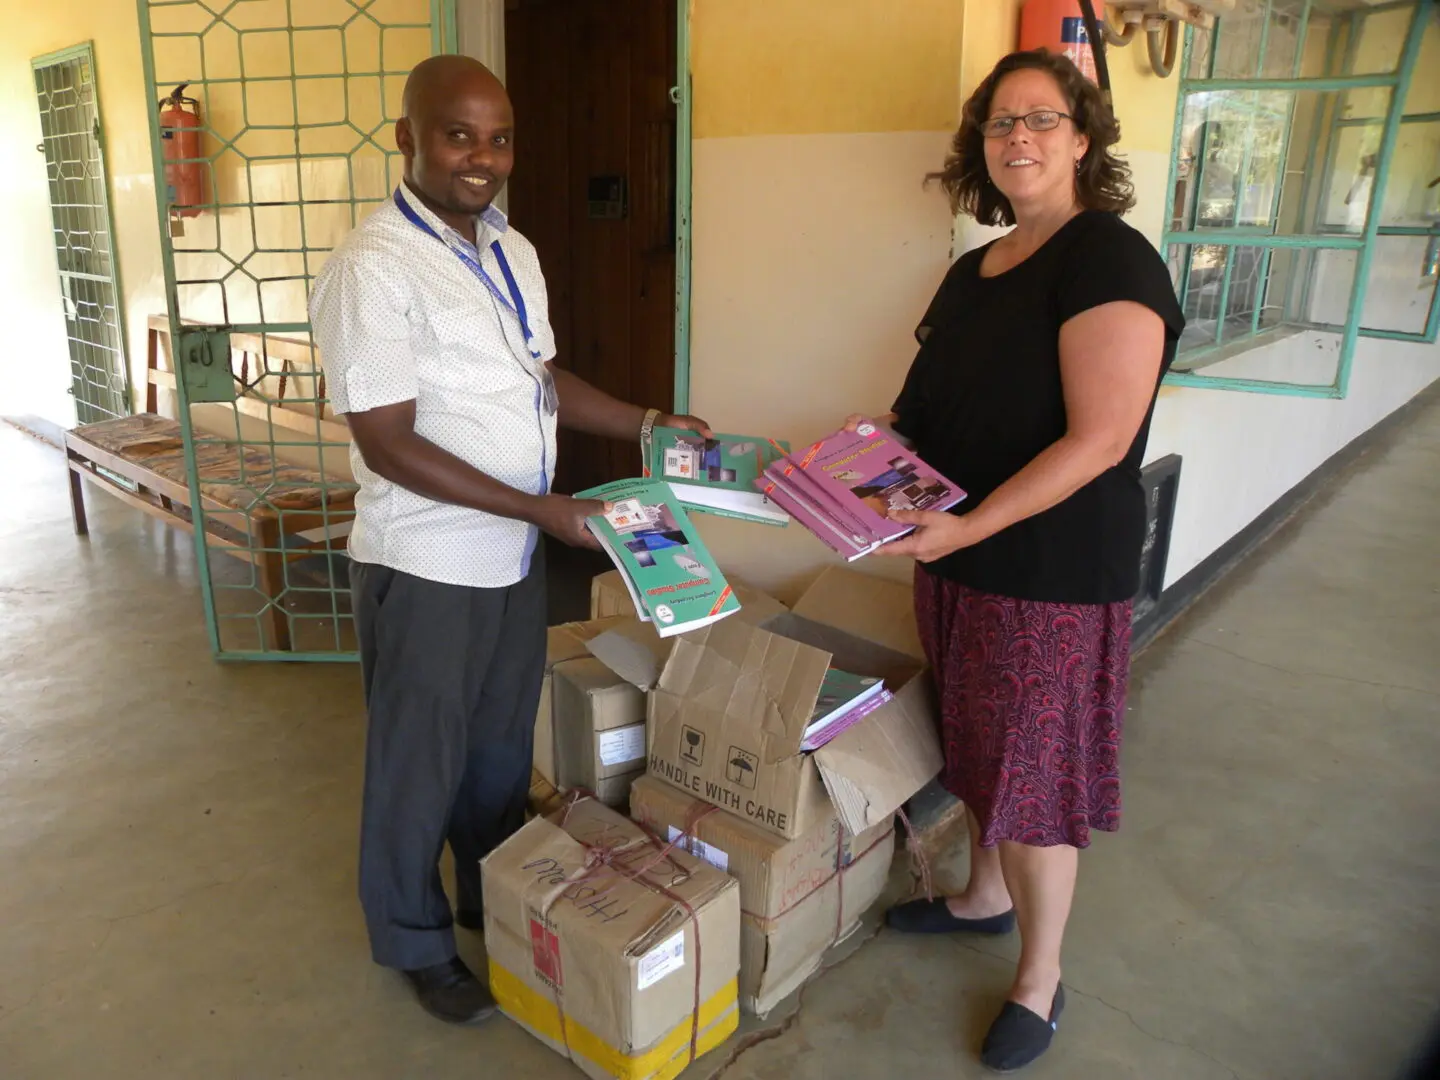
563,642
543,798
599,729
797,897
608,597
733,701
601,960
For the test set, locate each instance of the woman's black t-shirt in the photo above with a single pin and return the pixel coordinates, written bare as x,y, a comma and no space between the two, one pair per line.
983,397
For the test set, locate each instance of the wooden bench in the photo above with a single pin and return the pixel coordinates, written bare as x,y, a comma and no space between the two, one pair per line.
258,506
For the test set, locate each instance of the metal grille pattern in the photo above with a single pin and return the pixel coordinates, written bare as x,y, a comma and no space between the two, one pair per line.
80,210
297,102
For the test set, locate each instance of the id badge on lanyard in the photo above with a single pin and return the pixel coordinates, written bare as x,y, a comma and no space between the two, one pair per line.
515,303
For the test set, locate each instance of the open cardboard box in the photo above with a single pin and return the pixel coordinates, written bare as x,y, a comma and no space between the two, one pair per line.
588,715
729,710
608,596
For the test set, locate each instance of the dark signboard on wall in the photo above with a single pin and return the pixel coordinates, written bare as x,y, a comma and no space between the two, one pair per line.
1161,481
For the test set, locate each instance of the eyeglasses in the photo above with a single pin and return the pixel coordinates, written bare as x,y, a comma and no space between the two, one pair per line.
997,127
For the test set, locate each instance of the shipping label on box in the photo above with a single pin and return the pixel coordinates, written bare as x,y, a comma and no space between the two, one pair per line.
602,945
732,704
564,642
599,729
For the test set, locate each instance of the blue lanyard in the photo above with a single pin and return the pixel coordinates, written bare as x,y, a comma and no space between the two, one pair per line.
515,304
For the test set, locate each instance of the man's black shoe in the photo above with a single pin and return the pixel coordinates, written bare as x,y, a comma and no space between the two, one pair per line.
451,992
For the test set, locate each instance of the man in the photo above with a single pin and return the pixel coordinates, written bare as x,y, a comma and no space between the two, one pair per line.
432,325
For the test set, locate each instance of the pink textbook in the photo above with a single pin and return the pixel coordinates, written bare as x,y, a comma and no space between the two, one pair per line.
848,482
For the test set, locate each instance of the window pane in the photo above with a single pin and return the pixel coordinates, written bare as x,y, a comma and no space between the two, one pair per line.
1401,284
1349,168
1220,306
1327,281
1378,40
1414,166
1264,289
1231,148
1424,96
1306,356
1237,169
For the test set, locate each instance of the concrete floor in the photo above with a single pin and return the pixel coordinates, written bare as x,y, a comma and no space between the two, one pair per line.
178,836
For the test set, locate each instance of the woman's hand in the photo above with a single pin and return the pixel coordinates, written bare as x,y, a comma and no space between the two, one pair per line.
936,535
854,420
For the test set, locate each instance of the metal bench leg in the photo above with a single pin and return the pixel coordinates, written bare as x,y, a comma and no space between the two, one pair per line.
270,565
77,501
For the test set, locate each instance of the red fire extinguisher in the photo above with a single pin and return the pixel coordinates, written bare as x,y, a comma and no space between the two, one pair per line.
1058,25
180,140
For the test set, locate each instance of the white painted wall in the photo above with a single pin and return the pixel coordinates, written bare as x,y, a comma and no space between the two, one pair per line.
1243,451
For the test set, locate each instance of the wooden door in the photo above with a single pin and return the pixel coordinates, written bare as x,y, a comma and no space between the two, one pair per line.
594,190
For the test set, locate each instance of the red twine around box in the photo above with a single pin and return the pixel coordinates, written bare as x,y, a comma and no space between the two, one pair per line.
618,859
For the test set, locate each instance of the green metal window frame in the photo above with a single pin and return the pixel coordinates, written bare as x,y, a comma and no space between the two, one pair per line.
684,249
1398,83
85,52
444,38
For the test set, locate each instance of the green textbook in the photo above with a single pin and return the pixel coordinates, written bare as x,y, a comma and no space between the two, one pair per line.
670,574
716,475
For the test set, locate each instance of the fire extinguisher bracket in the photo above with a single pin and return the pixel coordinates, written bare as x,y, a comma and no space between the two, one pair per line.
205,366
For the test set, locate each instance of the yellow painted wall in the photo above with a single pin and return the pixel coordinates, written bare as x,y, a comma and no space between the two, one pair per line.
36,373
805,67
816,244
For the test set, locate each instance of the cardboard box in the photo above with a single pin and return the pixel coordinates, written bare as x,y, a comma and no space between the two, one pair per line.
608,597
599,721
586,736
543,798
798,898
731,705
563,642
784,952
601,960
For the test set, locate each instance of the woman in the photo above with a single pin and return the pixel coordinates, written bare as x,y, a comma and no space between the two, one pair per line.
1040,358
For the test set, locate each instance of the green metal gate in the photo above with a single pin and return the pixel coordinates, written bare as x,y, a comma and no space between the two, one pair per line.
296,101
84,248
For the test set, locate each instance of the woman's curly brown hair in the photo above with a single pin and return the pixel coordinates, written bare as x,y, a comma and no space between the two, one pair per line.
1102,181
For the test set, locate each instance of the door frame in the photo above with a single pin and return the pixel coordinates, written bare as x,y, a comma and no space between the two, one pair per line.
85,51
681,94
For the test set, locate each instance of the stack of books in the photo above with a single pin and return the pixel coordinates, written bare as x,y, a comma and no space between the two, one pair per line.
844,487
670,574
715,475
844,701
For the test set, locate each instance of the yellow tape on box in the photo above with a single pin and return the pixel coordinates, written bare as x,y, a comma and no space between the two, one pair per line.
719,1017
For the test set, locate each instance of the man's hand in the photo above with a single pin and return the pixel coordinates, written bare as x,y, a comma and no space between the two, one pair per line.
936,535
685,423
564,518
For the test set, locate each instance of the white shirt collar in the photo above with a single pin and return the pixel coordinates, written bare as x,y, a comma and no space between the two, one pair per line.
491,216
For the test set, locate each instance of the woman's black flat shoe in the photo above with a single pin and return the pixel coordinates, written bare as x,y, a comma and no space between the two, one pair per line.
1019,1036
933,917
